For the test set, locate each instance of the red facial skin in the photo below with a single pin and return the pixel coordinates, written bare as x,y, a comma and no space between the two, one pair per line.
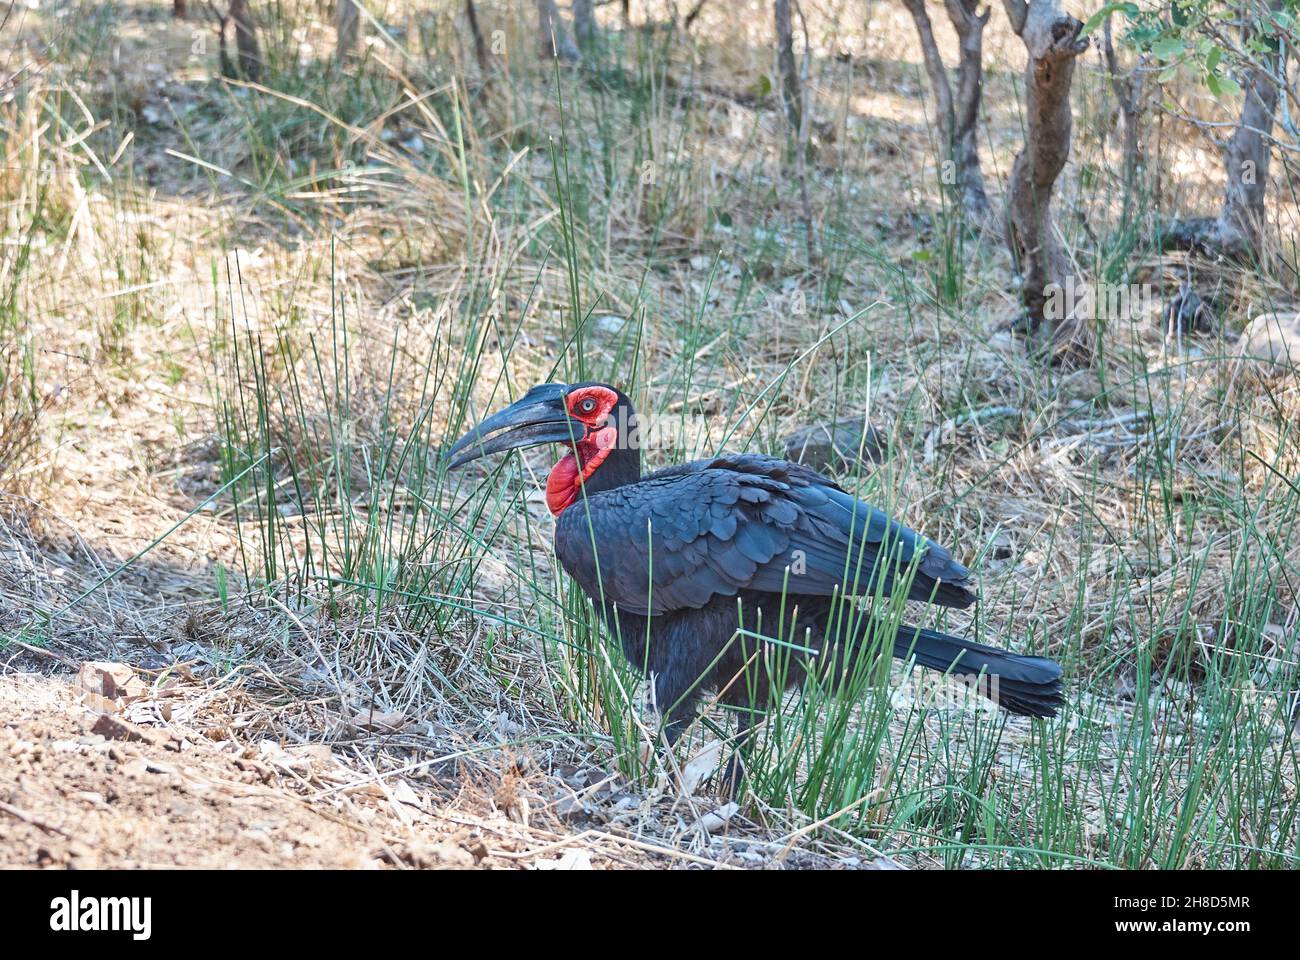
564,484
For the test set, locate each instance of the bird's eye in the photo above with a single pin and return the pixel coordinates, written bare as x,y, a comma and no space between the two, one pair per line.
588,405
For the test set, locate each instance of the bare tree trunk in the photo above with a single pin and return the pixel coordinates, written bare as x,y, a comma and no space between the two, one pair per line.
347,24
179,9
1128,94
1236,231
958,118
694,12
584,23
934,65
801,145
969,25
480,45
1051,38
785,64
1246,164
555,42
249,65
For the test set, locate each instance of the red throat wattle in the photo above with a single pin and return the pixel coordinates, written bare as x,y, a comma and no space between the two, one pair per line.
593,406
564,483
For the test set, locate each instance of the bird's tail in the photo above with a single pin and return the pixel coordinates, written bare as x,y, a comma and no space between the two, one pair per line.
1028,686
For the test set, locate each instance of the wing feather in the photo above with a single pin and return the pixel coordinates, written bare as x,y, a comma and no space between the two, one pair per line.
716,527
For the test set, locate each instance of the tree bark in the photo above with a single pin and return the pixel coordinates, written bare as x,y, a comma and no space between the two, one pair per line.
554,40
958,118
969,25
1246,164
347,24
584,24
179,9
1236,231
790,96
249,57
1051,38
1128,94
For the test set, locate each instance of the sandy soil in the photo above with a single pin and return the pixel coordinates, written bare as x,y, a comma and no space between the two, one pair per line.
71,797
88,781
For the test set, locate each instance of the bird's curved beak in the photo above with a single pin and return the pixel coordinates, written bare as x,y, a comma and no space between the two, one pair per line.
540,416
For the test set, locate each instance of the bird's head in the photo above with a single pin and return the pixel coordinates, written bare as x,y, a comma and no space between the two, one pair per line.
595,420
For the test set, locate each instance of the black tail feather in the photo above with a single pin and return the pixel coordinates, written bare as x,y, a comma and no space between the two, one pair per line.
1027,686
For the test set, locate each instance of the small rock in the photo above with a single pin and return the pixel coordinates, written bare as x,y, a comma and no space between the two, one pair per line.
46,857
571,810
717,819
427,856
107,683
571,860
837,446
110,728
1272,336
137,769
1002,547
403,793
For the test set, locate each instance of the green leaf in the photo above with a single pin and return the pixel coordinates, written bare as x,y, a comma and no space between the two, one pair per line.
1095,21
1169,48
1212,58
1221,86
1229,86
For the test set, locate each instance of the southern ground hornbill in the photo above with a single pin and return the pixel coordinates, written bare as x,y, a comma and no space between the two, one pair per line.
684,563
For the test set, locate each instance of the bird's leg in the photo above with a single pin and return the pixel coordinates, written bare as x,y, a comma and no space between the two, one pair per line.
676,704
733,777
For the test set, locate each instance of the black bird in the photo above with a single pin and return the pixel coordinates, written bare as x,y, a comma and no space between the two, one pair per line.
677,560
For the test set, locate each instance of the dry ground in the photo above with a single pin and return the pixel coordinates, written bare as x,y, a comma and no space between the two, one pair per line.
174,779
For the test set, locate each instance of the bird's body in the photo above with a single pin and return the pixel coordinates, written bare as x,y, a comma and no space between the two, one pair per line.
691,566
764,546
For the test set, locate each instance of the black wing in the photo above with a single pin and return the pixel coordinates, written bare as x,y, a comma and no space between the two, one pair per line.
743,523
